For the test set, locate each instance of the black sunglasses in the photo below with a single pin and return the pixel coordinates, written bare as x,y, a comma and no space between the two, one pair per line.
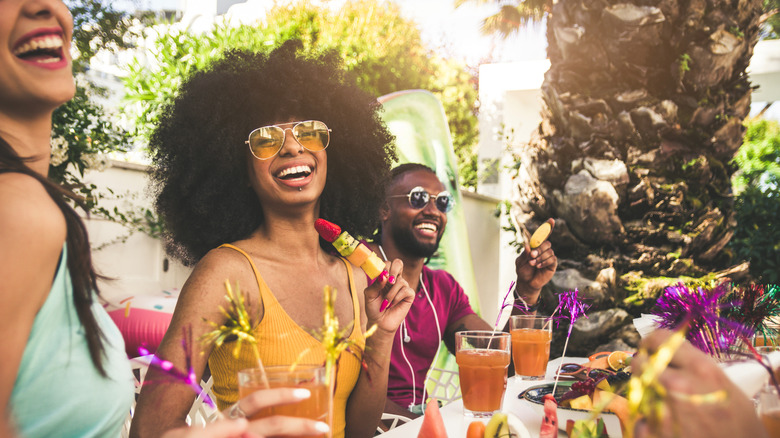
419,198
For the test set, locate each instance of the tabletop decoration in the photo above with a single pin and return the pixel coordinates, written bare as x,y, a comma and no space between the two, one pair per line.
186,377
702,311
237,326
646,394
570,308
758,304
504,305
335,340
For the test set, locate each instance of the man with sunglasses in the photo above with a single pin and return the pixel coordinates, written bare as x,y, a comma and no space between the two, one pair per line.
413,219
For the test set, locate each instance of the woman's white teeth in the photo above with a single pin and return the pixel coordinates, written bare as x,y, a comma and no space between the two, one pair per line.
48,42
294,171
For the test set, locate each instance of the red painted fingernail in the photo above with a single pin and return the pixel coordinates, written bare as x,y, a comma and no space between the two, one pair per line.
384,305
391,280
383,275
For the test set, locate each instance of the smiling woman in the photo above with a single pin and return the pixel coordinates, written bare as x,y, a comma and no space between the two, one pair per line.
39,39
253,151
64,370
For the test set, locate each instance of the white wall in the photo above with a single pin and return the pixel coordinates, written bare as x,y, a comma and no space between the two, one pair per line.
137,265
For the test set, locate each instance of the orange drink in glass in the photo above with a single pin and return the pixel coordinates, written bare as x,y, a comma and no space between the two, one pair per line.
768,403
531,336
311,377
483,359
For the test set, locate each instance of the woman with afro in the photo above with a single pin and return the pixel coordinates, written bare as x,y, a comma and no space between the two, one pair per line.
322,152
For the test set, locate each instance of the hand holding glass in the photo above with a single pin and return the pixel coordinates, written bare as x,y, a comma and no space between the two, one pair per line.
311,377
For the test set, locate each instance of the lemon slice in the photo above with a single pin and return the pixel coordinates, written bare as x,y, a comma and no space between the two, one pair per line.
540,235
618,360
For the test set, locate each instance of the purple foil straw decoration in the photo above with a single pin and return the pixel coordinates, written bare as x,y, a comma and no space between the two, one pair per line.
167,368
700,309
504,305
571,308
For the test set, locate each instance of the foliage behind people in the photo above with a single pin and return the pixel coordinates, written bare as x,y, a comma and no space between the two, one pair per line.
757,187
383,50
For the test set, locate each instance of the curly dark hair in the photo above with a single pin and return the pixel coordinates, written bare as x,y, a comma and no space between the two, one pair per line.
200,175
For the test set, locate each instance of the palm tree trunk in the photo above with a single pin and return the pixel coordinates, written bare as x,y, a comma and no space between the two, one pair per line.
644,110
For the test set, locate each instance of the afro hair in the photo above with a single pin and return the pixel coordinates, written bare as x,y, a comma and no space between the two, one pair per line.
200,176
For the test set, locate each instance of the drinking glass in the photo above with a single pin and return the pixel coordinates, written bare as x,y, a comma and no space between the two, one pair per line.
768,404
483,359
311,377
531,336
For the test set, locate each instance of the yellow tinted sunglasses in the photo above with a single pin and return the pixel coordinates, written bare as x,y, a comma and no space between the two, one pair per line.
267,141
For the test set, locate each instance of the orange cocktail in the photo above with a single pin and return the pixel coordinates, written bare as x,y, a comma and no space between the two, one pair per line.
309,377
768,403
483,359
531,336
771,421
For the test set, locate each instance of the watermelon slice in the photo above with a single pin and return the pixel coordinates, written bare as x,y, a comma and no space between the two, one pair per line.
550,422
432,425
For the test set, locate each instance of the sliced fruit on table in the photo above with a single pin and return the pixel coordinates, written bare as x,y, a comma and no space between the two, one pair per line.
549,427
476,430
582,402
516,427
498,426
432,425
616,404
619,360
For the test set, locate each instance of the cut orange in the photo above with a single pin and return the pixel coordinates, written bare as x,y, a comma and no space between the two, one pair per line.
619,360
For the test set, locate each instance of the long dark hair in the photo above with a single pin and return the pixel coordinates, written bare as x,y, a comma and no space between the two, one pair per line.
82,273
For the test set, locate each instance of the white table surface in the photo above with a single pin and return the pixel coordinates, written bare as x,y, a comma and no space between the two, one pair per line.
456,423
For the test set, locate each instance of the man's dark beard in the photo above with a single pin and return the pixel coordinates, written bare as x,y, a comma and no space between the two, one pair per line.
408,244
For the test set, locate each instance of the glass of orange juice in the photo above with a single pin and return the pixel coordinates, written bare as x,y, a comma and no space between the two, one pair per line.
483,359
311,377
531,336
768,404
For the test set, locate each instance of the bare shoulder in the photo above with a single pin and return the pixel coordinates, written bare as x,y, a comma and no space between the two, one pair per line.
32,233
29,217
219,266
28,210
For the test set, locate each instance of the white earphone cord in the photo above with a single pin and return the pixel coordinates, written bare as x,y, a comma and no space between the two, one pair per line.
406,338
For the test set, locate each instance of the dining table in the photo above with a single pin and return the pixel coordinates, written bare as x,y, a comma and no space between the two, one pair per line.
456,423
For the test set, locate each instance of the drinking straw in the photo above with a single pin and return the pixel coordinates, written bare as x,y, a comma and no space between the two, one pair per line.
570,303
334,340
186,377
504,305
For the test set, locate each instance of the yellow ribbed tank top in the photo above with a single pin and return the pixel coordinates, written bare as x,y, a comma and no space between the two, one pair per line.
280,341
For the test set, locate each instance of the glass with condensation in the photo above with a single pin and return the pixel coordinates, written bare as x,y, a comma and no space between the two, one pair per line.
483,359
531,336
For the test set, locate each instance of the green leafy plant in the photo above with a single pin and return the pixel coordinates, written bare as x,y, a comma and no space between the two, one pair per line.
757,236
757,205
384,51
84,136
